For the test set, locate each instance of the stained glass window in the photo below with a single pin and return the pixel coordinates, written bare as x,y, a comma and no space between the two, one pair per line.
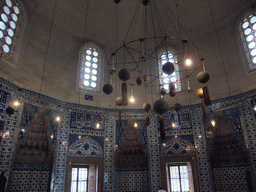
164,79
10,26
179,178
247,29
79,179
90,71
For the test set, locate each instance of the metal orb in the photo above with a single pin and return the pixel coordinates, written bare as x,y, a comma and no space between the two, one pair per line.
200,93
145,2
139,80
203,77
124,74
146,78
160,106
177,106
10,110
162,91
146,107
117,1
172,93
119,101
108,88
168,68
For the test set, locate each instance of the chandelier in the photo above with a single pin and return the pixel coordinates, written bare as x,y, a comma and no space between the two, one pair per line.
151,55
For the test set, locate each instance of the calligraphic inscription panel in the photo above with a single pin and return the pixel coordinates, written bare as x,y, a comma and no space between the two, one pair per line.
4,100
181,121
86,121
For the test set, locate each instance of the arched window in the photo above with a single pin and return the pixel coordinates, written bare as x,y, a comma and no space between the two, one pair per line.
247,30
165,79
11,28
90,71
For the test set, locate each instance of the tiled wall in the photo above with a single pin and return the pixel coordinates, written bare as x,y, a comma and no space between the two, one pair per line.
59,170
131,181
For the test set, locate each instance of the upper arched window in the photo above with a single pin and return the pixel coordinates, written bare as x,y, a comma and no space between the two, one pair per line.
164,79
11,28
90,71
247,29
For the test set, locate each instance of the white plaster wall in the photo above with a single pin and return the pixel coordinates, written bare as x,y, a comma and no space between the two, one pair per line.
68,35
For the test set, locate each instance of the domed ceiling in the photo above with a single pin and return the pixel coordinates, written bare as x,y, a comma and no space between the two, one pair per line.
55,30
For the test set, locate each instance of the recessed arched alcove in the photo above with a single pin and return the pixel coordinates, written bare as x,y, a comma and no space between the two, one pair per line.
90,138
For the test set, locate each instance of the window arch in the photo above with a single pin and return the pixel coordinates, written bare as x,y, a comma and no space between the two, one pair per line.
164,79
90,68
247,30
12,22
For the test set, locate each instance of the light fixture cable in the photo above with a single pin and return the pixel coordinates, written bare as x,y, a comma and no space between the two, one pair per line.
47,48
218,42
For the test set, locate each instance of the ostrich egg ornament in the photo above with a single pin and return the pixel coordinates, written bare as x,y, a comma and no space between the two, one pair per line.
108,88
172,93
119,101
200,93
124,75
168,68
139,80
203,77
146,107
171,86
160,106
146,78
162,91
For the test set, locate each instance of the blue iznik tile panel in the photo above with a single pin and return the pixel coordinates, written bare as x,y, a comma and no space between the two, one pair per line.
61,153
204,170
192,125
85,146
154,154
250,129
131,181
30,177
109,170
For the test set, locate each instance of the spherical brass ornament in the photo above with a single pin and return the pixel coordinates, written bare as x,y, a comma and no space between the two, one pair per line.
168,68
203,77
108,88
172,93
146,78
200,93
124,75
177,106
160,106
139,80
119,101
146,107
209,134
171,86
10,110
162,91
